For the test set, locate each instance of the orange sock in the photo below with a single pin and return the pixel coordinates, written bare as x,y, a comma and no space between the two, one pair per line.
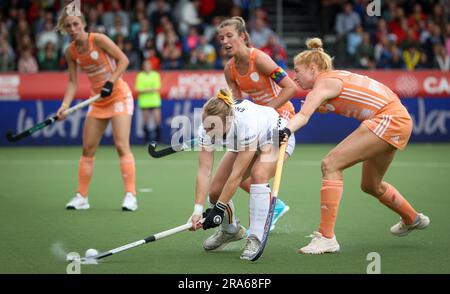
245,185
127,171
395,201
85,171
330,196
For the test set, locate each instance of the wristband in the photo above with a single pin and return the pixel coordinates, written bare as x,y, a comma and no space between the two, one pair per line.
198,209
277,75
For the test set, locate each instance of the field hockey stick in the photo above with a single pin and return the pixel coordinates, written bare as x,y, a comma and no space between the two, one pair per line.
170,150
273,201
149,239
49,121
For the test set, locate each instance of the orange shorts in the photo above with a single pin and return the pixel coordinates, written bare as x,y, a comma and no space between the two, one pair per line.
119,103
393,124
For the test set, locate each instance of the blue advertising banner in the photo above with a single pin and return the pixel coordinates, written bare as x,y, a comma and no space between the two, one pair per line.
181,118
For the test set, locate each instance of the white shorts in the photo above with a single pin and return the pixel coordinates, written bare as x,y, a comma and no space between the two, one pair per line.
269,139
291,141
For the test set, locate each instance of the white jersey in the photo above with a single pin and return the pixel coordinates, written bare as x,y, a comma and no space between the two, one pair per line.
251,123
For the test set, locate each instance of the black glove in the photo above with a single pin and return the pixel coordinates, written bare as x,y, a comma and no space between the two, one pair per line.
214,216
284,134
107,89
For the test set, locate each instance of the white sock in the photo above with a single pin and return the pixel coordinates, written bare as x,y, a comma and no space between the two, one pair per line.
259,208
229,223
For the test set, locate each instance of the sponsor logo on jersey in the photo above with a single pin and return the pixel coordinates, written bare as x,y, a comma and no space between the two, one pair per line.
94,55
254,76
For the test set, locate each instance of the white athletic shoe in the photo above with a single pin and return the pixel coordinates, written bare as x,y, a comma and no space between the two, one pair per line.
401,229
129,202
320,244
250,248
78,202
221,238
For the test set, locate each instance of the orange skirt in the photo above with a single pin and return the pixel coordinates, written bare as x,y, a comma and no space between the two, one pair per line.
392,124
119,103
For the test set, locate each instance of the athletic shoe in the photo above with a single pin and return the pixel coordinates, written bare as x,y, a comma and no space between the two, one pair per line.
320,244
401,229
129,202
280,209
222,238
78,202
250,248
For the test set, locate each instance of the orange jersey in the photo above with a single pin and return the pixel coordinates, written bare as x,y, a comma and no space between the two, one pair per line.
373,103
361,97
97,64
258,86
99,67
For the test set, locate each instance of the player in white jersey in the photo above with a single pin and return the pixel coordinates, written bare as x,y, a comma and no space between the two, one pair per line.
249,133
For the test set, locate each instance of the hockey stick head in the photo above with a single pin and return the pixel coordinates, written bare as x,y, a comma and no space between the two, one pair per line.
152,150
77,259
83,260
10,136
152,147
171,149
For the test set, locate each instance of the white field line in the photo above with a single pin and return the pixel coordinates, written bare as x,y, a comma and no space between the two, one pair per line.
165,162
145,190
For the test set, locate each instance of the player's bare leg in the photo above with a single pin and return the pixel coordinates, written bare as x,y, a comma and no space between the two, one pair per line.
359,146
93,130
121,126
372,183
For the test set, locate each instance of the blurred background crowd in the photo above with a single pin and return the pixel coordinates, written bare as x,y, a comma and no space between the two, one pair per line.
181,34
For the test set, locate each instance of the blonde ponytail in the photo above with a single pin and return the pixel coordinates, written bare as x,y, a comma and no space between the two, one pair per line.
315,55
221,105
314,43
226,96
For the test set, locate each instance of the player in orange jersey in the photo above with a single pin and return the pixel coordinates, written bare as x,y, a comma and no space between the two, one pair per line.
253,72
104,64
386,126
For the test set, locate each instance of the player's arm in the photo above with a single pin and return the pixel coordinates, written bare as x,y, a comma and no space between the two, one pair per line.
156,84
323,90
105,43
202,183
268,67
231,83
71,86
139,84
205,165
246,140
243,159
240,166
215,215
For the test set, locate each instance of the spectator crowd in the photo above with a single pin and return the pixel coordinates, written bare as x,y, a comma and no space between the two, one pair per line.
181,34
172,35
406,35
